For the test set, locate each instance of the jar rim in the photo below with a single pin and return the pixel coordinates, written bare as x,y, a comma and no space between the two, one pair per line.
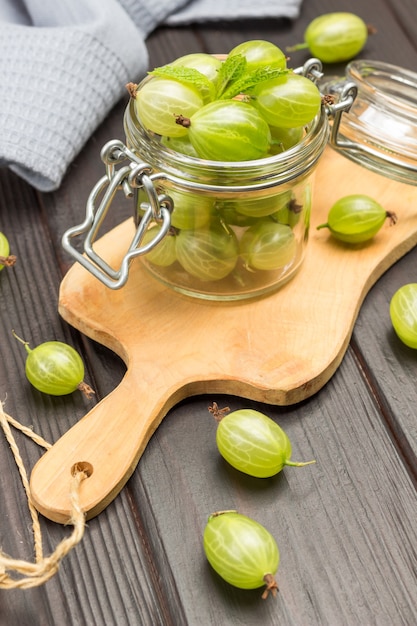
277,168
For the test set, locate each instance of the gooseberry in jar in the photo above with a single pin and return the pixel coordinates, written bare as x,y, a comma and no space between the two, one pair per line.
268,245
191,211
285,138
159,101
208,253
288,101
180,144
227,130
259,53
163,253
206,64
261,207
289,214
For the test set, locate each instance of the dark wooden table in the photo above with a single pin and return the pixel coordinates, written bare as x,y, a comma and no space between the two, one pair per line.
347,530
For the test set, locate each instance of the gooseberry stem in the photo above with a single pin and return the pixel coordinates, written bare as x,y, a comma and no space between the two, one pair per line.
183,121
86,389
393,219
25,343
217,413
132,89
217,513
8,261
298,46
299,464
271,586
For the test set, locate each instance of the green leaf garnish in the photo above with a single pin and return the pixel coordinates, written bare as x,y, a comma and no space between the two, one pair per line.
231,70
247,81
186,75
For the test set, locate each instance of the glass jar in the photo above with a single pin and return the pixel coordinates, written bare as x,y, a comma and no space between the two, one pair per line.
380,129
237,230
209,229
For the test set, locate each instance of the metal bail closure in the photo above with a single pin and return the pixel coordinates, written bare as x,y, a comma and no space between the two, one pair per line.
347,96
133,175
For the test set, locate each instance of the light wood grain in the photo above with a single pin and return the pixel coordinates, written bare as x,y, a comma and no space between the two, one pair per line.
280,349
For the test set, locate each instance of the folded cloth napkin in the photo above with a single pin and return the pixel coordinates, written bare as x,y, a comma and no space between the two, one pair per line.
65,64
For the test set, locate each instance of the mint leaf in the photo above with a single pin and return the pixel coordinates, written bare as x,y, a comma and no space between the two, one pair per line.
231,70
188,76
247,81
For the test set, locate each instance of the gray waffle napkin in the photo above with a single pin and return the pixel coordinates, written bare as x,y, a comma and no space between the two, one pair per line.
65,64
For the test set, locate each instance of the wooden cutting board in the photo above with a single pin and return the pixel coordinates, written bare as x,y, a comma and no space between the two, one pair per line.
279,350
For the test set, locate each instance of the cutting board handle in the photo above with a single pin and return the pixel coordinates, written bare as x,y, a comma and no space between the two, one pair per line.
109,440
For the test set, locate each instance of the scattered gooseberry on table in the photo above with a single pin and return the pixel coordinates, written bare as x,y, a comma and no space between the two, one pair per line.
6,259
242,551
335,37
55,368
252,442
356,218
403,313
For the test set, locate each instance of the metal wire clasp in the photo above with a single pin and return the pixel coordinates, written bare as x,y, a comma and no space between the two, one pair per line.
346,97
133,175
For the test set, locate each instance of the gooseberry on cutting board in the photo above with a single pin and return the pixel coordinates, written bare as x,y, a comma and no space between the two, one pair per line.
356,218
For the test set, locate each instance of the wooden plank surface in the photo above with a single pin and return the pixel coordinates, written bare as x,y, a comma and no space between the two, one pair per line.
345,526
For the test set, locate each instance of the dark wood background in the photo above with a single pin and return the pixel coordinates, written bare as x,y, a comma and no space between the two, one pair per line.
346,526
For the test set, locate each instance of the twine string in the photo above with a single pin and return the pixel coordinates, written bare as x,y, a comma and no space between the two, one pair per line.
36,573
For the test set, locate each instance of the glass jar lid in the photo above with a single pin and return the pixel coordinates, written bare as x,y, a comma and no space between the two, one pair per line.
380,129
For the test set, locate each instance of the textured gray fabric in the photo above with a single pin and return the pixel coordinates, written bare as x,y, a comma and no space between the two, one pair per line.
206,10
65,63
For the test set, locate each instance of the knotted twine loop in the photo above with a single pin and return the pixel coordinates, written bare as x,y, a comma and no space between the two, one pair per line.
37,573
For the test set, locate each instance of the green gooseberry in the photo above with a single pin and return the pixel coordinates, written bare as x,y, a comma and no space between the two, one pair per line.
6,259
356,218
55,368
403,313
252,442
335,37
242,551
